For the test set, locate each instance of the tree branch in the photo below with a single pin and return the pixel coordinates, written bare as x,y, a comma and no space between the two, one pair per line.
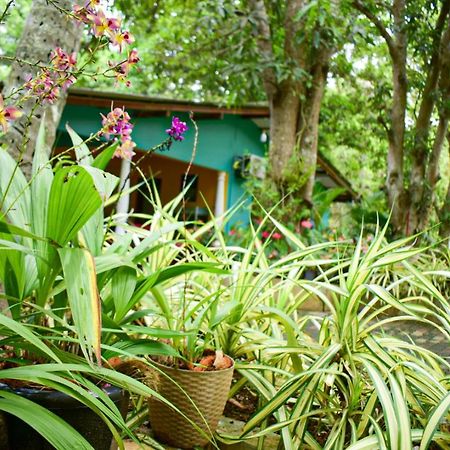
378,24
264,42
5,11
292,49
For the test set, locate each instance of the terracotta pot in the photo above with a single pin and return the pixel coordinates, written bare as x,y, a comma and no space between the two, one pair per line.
22,436
183,388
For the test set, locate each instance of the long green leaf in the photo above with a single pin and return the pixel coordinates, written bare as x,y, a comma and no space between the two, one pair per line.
82,152
15,201
442,409
81,284
103,158
388,405
23,331
42,178
61,435
123,284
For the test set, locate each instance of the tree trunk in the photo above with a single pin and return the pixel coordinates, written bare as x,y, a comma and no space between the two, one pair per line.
283,96
444,213
284,107
425,164
397,46
394,183
424,209
308,125
45,29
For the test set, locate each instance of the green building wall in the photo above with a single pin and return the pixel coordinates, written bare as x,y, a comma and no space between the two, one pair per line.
219,142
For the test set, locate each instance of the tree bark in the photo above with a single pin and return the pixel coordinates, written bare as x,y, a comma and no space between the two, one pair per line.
308,123
444,212
411,208
397,46
293,136
284,107
45,29
395,178
423,181
264,42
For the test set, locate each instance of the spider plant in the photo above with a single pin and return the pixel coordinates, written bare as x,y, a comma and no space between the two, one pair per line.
356,386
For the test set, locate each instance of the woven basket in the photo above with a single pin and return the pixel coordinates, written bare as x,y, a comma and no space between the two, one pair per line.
209,392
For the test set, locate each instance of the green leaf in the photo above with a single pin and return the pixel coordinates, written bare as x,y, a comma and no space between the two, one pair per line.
103,158
60,434
147,283
402,412
93,230
17,231
123,284
73,201
81,284
82,152
438,414
181,269
389,408
15,201
141,347
42,178
159,333
21,330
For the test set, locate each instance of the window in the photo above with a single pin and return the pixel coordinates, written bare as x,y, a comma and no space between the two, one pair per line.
192,182
142,195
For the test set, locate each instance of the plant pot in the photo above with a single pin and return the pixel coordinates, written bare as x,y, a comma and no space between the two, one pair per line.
310,274
22,436
207,390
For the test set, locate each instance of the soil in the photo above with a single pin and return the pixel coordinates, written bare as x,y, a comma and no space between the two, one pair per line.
242,405
210,361
17,384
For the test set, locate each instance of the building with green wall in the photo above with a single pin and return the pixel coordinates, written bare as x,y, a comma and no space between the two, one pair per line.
224,135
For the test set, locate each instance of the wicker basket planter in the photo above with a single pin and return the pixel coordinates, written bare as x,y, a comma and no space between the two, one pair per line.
208,390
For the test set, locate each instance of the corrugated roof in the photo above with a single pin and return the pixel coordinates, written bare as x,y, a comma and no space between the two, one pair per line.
138,102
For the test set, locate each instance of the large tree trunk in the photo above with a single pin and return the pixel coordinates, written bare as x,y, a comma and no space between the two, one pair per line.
45,29
284,107
284,96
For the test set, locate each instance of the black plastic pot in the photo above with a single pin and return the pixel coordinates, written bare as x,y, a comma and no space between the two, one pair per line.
310,274
22,436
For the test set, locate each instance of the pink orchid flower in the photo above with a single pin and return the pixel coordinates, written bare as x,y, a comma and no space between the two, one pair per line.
125,151
7,114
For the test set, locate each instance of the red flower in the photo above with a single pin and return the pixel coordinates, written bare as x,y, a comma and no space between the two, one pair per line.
265,234
277,236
